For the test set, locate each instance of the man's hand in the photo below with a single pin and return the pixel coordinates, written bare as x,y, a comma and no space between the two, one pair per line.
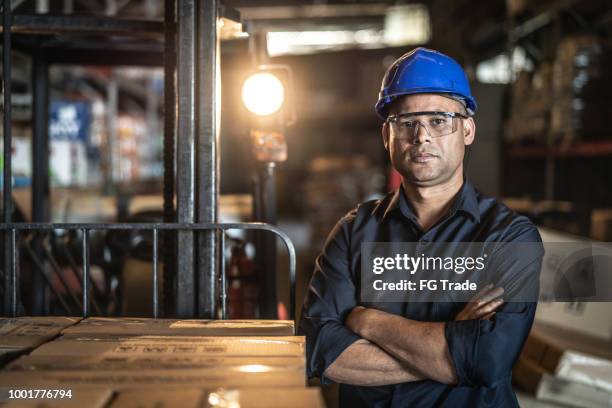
483,305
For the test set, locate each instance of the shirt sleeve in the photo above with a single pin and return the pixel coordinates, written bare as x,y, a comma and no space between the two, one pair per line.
330,297
484,351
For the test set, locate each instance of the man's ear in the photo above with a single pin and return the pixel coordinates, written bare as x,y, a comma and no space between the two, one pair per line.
385,135
469,131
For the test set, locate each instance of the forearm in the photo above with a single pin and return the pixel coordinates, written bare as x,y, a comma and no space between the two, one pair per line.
364,363
419,345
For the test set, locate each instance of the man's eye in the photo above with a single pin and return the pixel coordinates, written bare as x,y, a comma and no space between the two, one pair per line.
438,121
408,124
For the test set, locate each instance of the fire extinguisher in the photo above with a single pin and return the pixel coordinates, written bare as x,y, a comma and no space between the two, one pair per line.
242,283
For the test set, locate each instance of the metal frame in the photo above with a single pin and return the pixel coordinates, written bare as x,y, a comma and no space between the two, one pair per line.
189,54
207,157
7,208
11,229
186,127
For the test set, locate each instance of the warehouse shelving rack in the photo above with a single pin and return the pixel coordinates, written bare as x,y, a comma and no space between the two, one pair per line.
187,45
548,15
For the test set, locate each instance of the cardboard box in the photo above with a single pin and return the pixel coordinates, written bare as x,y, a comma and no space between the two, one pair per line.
140,362
548,346
92,398
243,377
99,326
269,398
29,332
573,394
601,224
175,346
553,355
145,398
7,354
534,379
586,370
243,398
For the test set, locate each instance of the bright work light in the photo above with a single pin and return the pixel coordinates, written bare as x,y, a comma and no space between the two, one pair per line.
263,94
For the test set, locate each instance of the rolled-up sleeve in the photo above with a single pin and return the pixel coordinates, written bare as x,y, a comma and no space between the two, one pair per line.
484,351
330,297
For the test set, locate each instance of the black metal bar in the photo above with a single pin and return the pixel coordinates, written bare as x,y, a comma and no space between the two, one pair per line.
15,270
169,249
207,158
76,269
186,128
292,273
38,24
138,226
40,167
85,272
7,140
223,274
144,226
265,244
155,288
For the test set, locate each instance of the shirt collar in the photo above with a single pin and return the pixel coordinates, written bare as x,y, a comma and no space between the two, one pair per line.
466,202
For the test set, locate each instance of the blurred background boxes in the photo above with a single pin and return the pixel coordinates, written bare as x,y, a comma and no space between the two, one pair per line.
565,366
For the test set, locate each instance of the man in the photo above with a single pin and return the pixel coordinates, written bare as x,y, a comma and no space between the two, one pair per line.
406,354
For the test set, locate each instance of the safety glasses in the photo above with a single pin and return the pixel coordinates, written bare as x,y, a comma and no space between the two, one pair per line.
437,124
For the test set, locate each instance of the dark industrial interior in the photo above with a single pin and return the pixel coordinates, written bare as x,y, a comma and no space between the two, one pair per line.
138,188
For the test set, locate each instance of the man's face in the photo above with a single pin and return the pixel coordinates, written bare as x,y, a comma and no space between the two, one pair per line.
425,160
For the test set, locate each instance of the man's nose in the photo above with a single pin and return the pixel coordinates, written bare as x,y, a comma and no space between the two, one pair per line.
421,135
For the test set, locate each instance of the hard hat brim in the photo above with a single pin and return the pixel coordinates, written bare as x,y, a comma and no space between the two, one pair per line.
383,103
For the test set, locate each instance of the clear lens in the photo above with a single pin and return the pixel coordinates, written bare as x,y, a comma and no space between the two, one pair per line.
436,124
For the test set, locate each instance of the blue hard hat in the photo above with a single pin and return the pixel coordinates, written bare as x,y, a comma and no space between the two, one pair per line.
424,71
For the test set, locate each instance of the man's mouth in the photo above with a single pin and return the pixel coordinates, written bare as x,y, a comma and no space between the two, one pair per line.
422,157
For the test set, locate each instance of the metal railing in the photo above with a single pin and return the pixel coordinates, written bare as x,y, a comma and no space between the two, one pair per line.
11,285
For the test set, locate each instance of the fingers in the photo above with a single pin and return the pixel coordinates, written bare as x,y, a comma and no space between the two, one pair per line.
489,296
470,313
482,292
488,293
487,308
483,305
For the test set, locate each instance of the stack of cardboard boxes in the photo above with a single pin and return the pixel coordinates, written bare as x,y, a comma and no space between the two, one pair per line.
161,362
566,366
20,335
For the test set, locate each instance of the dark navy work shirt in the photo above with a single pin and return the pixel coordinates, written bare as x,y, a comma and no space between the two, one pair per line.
483,351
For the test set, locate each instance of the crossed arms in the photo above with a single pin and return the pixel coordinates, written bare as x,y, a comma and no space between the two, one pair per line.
394,349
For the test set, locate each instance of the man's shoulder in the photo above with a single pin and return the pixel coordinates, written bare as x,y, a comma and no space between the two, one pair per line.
509,224
368,209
